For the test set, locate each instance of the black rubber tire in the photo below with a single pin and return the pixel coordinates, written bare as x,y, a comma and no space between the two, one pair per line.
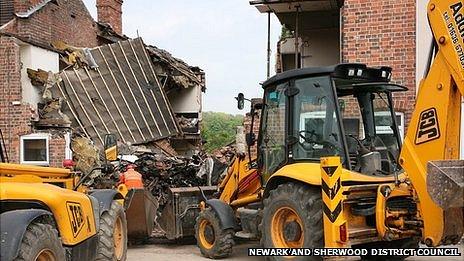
307,203
106,245
223,238
402,243
38,237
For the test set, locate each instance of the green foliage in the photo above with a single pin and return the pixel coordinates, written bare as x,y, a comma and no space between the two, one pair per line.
218,129
286,33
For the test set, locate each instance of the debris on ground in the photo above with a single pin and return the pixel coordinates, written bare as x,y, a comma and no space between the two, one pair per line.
160,173
225,155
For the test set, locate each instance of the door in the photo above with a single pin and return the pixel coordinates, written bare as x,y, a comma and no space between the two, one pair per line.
273,125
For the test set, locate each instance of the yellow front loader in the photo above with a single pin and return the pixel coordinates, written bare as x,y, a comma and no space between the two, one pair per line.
45,215
334,169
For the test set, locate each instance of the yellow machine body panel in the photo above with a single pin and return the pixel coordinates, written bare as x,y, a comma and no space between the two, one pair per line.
111,153
241,185
72,210
21,169
434,130
310,173
29,173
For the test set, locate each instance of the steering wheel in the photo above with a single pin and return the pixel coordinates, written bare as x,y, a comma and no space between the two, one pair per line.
309,140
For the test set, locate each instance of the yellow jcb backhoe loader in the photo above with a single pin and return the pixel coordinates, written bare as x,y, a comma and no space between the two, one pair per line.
45,214
329,180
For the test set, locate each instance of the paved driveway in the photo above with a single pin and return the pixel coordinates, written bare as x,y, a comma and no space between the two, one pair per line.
189,252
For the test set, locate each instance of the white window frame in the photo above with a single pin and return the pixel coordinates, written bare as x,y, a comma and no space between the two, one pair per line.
35,136
387,129
67,151
401,124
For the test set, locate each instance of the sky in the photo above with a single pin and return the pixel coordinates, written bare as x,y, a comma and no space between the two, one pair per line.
226,38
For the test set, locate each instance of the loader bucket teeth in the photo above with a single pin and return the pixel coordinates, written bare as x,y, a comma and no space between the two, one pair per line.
445,183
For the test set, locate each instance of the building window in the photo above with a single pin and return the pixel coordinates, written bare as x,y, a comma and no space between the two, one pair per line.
34,149
384,117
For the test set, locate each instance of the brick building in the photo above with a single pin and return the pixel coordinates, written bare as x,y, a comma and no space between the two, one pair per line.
27,29
391,33
378,33
29,35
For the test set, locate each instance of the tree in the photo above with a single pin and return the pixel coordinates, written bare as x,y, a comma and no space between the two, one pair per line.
218,129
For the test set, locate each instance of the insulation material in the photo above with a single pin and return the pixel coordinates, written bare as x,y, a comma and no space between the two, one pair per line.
85,154
121,95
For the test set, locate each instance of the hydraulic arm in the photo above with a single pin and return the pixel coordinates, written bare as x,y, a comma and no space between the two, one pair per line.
434,131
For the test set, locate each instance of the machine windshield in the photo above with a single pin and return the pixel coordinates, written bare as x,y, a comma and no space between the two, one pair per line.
371,130
315,122
308,118
272,139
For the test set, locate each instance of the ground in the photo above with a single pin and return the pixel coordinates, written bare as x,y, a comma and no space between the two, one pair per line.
190,252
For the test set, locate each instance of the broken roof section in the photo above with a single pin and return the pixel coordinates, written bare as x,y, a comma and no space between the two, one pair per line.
34,9
176,73
120,95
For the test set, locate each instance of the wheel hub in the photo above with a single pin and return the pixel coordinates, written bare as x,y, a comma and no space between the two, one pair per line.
206,234
118,239
292,231
45,255
287,228
209,234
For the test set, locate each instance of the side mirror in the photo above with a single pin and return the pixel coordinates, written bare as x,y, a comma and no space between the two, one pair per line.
240,101
111,147
250,139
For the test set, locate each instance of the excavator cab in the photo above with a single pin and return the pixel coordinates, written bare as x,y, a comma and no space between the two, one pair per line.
344,110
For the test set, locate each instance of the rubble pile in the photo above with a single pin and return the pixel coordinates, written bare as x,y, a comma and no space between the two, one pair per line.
225,155
160,173
186,123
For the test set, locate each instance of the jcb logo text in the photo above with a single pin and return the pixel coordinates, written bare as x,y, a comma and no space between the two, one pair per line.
428,128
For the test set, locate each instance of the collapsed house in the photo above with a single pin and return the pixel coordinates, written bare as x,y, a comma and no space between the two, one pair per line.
39,60
116,90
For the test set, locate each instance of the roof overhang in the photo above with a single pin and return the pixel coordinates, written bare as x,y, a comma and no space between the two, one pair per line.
289,6
314,14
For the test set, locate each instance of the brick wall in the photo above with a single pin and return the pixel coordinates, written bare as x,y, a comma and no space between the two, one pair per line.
57,149
247,125
68,21
14,119
15,116
110,12
23,5
382,32
256,123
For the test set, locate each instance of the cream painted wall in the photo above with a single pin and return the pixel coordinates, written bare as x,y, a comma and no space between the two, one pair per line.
423,39
35,58
318,48
186,100
321,48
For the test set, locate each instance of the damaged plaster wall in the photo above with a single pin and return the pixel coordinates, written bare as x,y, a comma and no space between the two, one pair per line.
34,58
186,100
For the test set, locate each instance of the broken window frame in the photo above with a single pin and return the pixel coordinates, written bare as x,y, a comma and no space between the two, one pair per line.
35,136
